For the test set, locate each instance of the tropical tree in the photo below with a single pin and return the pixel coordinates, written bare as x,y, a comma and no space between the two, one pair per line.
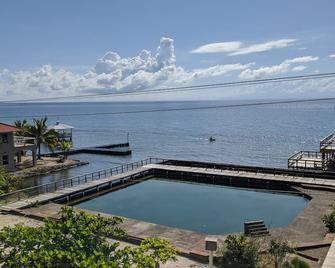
23,126
240,251
65,147
78,239
39,130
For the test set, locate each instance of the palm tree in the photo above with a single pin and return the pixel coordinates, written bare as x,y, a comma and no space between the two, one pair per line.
23,126
39,130
65,146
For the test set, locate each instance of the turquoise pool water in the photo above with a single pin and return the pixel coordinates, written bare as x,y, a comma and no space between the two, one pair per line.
201,208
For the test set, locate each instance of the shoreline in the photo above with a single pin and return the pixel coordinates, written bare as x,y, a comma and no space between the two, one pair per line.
47,165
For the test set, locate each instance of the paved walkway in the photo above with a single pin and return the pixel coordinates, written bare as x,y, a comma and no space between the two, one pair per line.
71,190
224,172
245,174
330,258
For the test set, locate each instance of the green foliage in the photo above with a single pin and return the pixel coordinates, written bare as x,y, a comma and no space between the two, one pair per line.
240,251
65,146
7,182
39,130
329,220
278,249
296,263
23,125
78,240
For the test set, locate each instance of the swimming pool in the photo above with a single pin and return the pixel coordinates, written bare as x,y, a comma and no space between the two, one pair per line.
203,208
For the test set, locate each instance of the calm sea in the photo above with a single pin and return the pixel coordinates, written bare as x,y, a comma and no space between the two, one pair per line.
256,135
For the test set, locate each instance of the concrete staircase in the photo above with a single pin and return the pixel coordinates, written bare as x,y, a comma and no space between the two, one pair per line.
255,229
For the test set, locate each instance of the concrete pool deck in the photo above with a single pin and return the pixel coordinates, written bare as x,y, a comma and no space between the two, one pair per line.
228,177
306,232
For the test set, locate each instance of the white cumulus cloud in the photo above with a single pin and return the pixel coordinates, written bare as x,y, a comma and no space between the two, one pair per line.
285,66
264,71
238,48
112,72
331,56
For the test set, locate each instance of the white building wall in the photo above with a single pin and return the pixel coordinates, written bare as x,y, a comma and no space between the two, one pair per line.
7,152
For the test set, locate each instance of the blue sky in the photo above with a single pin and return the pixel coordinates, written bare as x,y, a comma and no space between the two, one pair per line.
52,48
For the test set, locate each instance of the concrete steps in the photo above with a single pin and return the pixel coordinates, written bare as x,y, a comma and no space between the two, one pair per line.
255,229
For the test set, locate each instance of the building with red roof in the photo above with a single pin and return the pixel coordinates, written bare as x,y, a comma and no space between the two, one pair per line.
13,146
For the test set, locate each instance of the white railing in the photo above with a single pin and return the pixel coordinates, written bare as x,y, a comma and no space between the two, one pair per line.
24,141
327,141
70,182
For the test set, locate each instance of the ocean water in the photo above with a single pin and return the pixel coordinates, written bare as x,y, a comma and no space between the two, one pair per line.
263,135
198,207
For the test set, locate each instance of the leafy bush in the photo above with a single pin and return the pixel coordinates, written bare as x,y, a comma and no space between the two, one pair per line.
7,182
278,249
78,240
240,251
329,220
296,263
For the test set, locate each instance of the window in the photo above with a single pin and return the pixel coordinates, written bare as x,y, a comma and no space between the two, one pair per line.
4,138
5,160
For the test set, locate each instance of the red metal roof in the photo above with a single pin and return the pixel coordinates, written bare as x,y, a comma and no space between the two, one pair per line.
5,128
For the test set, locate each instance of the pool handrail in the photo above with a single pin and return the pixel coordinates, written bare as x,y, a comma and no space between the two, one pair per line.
76,180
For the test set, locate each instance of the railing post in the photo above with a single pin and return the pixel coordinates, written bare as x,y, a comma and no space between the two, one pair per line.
55,186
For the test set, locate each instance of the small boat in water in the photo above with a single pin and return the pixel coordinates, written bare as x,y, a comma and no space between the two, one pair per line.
211,139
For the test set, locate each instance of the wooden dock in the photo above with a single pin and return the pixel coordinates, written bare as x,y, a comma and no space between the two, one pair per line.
322,160
109,149
306,160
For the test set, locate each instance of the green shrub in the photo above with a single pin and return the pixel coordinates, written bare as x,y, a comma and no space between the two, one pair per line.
240,251
329,220
296,263
7,182
278,249
78,240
